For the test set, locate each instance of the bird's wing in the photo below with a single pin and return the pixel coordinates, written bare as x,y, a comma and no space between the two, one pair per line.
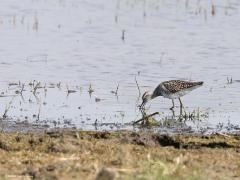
174,86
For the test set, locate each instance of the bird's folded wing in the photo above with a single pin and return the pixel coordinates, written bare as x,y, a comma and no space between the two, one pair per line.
174,86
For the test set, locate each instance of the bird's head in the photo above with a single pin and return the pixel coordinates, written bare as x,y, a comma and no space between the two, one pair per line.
145,98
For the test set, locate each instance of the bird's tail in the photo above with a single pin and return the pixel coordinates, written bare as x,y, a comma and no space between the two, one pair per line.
199,83
196,85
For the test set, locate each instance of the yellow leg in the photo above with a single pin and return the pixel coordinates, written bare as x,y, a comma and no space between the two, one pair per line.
181,106
173,105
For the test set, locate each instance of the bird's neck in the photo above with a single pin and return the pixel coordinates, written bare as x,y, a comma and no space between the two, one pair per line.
155,94
152,96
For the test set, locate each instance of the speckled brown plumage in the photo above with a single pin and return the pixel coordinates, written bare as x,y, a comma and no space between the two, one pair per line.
173,89
174,86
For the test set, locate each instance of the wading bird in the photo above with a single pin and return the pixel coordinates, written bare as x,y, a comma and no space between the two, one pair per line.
173,89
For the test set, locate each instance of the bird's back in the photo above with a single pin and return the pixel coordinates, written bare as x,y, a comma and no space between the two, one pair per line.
171,87
174,86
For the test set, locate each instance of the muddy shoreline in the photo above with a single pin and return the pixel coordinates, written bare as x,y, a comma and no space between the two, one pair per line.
75,154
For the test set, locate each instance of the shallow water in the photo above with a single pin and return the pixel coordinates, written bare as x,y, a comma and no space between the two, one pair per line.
79,43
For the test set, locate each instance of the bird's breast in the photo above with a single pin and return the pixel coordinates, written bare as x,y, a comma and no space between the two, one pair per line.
175,95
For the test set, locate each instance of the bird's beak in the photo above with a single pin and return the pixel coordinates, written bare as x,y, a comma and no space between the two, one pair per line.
142,105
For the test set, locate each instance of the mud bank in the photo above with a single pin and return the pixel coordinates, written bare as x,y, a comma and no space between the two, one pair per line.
118,155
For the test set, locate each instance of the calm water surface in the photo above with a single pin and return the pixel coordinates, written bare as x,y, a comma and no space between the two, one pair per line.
79,42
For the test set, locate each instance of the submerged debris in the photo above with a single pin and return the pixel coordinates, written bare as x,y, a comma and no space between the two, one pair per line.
97,99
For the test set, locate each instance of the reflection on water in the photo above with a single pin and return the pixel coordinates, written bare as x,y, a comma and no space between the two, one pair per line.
79,43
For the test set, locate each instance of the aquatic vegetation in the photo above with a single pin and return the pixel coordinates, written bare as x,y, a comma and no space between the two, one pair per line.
7,109
90,89
141,47
37,86
116,91
39,101
229,80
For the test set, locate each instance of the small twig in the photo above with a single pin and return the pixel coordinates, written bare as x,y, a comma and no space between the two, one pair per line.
37,98
21,92
123,35
7,109
13,84
45,90
222,134
36,87
39,110
59,85
22,89
116,92
139,92
69,91
145,117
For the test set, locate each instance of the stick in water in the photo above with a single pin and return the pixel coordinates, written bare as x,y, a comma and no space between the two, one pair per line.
139,92
146,117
